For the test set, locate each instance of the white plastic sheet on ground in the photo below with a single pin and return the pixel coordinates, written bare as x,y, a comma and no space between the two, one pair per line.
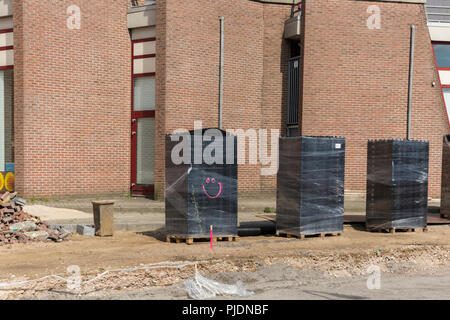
200,287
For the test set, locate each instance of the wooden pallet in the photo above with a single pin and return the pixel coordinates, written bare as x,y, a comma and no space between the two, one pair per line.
191,239
394,230
432,218
303,236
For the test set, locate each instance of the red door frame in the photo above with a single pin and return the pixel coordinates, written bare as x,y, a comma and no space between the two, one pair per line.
7,67
135,189
439,76
7,48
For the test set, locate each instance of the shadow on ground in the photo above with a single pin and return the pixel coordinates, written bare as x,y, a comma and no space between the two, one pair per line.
246,229
158,234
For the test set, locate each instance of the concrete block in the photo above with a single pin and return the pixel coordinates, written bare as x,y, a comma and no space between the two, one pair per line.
86,230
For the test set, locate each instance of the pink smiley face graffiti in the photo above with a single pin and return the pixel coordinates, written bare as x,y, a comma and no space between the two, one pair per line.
212,181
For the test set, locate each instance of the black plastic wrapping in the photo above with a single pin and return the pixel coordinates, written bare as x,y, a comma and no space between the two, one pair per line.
445,184
200,195
397,184
310,185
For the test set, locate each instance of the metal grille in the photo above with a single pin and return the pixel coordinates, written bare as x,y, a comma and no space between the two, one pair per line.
438,10
293,90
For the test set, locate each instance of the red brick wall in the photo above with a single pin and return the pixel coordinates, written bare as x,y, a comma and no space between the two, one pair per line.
160,99
72,87
254,58
275,77
355,81
72,98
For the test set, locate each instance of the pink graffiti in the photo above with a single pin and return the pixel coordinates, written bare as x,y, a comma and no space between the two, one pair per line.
208,180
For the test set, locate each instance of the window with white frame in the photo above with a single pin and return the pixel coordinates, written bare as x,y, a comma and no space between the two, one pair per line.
442,54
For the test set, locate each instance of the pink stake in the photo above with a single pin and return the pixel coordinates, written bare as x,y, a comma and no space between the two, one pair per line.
211,235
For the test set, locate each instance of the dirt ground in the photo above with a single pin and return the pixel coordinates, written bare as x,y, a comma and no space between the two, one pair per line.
272,267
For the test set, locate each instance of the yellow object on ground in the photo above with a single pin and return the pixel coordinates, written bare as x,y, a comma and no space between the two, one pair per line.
9,182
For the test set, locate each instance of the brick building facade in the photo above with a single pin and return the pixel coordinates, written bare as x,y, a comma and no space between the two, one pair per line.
96,91
71,98
355,81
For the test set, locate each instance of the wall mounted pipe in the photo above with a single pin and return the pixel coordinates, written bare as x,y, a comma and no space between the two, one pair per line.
221,19
410,81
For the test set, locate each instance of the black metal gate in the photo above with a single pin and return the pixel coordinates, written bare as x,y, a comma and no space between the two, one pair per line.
293,91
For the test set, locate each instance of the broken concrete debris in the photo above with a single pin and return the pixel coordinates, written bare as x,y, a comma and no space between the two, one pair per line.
17,226
71,228
81,229
25,226
39,235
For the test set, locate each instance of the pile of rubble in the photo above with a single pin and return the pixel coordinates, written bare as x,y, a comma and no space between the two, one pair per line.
17,226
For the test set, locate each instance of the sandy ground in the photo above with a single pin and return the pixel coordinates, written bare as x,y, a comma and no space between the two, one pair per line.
275,268
50,213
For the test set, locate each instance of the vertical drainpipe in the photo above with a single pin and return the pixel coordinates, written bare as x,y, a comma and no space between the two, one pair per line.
221,19
410,84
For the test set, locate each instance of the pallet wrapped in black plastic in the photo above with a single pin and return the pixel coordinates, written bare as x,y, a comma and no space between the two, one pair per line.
310,186
201,189
397,184
445,184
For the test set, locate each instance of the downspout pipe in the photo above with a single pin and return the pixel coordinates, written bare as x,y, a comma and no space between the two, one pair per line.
410,81
221,20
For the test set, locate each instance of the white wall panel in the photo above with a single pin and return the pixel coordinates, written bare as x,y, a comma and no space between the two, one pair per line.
6,58
445,77
146,65
142,48
6,39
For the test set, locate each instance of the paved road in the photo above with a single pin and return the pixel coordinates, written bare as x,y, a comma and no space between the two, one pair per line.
421,286
283,282
392,288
